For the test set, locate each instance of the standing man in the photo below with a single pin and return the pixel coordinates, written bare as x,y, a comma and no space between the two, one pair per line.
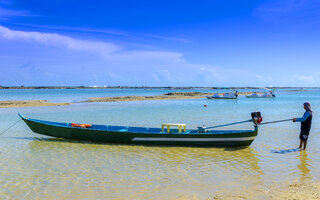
305,125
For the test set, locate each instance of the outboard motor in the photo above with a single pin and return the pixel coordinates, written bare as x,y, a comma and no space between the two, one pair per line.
202,129
271,92
256,118
236,94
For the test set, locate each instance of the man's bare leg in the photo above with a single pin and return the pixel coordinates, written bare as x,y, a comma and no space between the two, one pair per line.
304,145
300,147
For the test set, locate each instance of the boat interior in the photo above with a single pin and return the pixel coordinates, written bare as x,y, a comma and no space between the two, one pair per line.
137,129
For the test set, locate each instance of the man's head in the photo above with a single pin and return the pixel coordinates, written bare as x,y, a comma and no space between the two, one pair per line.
307,106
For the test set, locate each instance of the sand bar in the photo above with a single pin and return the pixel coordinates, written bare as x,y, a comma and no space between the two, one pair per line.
29,103
167,96
140,98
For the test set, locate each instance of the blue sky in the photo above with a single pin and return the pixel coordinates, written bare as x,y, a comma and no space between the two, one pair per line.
160,43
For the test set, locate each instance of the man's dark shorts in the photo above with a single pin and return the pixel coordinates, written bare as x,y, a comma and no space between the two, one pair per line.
304,135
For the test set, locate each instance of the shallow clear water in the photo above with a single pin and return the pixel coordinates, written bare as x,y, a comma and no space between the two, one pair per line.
39,167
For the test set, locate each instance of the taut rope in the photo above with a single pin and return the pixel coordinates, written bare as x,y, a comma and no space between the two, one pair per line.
10,126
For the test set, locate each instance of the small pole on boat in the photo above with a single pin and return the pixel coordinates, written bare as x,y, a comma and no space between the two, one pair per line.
256,119
250,120
277,121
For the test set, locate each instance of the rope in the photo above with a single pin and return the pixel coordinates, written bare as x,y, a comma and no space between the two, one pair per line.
250,120
284,120
10,126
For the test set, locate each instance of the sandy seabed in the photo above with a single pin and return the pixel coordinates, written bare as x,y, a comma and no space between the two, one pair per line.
294,191
306,190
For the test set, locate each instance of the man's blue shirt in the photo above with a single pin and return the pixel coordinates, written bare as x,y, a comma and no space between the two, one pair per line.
305,116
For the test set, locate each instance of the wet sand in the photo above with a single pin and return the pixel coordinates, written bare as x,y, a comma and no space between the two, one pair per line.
297,190
29,103
167,96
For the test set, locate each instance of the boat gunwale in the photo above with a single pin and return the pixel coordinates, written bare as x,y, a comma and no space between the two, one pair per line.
187,132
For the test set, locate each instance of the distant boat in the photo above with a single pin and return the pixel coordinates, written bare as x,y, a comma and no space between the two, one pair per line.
267,94
229,95
142,135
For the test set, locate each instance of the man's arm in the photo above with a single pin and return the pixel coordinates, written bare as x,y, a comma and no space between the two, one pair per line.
302,119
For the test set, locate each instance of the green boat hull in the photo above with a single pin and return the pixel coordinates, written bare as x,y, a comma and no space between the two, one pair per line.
100,133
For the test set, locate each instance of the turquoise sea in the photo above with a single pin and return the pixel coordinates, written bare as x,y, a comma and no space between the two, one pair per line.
39,167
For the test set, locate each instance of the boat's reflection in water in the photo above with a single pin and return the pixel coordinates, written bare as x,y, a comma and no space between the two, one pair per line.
126,170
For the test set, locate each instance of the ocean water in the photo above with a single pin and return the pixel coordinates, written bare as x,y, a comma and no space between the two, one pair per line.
39,167
78,95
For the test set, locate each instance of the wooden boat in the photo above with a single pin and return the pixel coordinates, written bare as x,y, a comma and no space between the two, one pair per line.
142,135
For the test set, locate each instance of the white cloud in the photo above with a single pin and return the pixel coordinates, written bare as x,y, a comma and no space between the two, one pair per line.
113,75
6,2
6,13
209,74
146,55
264,78
101,63
57,40
163,75
282,11
313,79
303,78
107,50
282,6
156,77
175,39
